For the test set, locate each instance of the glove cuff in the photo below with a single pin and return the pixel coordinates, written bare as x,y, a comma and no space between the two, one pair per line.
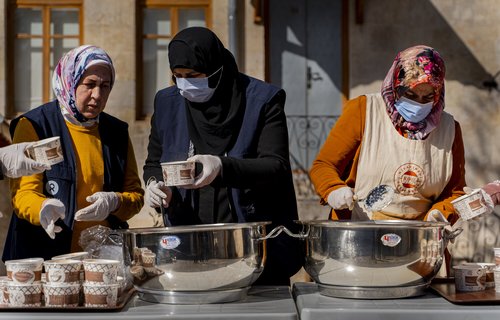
435,215
51,201
117,202
150,180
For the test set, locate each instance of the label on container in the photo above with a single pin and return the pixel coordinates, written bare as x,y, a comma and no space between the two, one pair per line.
170,242
390,239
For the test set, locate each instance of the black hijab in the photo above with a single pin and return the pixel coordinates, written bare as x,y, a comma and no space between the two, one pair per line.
213,125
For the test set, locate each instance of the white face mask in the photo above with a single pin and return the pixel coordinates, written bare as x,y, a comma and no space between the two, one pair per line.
196,89
413,111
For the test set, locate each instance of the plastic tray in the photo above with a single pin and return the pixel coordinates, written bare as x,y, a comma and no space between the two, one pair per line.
445,287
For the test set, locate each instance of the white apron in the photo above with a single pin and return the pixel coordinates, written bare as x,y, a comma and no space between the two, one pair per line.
418,170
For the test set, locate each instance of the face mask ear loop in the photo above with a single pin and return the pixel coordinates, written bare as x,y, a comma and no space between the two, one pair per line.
221,69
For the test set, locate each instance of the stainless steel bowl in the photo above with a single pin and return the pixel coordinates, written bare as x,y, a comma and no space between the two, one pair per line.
196,264
374,259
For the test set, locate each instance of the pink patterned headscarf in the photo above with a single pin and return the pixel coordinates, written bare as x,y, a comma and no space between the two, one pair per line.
411,67
68,73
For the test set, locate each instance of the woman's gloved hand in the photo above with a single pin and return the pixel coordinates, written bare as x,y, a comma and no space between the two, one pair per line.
341,198
435,216
212,166
102,204
51,211
157,194
15,163
493,190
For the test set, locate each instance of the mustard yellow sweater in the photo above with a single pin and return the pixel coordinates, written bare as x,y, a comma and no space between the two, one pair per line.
27,192
336,163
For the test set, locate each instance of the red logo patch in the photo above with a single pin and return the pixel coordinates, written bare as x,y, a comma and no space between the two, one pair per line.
409,178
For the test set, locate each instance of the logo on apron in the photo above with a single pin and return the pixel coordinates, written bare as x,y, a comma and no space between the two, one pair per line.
52,187
409,178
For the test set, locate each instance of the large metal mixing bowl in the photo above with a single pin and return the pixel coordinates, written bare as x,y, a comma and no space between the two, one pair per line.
374,259
196,264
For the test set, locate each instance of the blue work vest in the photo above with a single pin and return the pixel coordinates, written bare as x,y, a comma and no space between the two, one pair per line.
25,240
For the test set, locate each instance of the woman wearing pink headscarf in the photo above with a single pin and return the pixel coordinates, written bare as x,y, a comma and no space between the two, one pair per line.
96,184
399,137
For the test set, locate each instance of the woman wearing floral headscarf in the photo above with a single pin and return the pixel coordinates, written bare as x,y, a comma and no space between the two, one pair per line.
400,137
97,183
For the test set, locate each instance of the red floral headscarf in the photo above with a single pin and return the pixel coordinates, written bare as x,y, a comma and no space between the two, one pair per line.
411,67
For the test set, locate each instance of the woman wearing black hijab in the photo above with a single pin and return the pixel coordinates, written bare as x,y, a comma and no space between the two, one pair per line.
235,127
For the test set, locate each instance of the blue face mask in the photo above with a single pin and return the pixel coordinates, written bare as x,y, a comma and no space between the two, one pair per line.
196,89
413,111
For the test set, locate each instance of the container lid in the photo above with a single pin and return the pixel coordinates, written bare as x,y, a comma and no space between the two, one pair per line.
176,162
62,261
45,141
73,256
465,196
25,261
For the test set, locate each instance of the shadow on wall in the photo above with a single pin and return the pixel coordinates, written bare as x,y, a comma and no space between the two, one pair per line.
304,47
388,28
385,30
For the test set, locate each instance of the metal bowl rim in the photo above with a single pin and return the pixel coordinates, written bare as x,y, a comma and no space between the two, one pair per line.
372,223
195,228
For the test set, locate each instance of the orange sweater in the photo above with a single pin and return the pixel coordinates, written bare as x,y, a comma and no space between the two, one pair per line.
336,163
27,192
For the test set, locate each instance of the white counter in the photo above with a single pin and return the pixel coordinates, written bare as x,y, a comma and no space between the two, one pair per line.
311,305
261,303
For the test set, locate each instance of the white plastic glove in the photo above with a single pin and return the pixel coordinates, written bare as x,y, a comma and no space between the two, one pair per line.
468,190
157,194
341,198
103,203
435,216
493,190
51,211
15,163
212,166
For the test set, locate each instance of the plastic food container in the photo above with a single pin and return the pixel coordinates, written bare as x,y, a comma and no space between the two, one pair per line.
178,173
470,205
24,271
